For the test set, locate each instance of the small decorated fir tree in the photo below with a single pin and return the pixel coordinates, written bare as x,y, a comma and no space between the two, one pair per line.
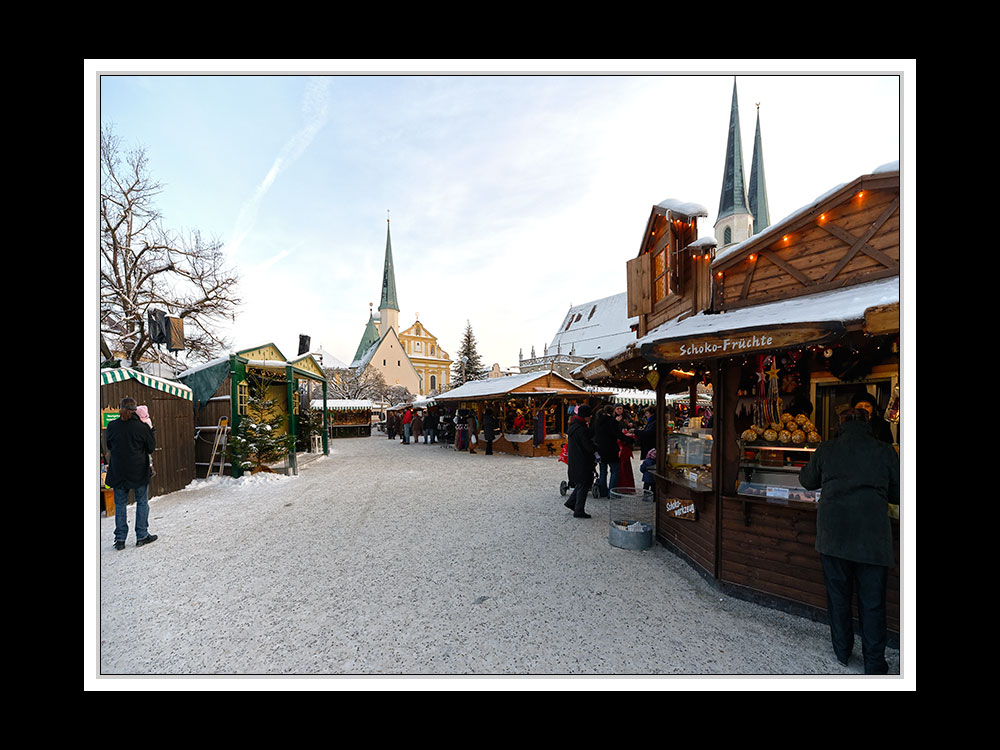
261,437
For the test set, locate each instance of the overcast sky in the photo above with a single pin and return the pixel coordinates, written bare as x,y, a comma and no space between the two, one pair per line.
511,197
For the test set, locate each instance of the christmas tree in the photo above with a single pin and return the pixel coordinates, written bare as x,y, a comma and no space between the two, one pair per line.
468,364
260,438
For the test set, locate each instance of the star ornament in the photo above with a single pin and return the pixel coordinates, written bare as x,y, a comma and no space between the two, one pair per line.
772,374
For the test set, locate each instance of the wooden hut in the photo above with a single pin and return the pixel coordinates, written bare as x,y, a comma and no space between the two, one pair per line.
804,313
221,390
532,409
347,417
171,413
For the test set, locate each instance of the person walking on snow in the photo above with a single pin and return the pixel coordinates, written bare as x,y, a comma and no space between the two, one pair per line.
580,453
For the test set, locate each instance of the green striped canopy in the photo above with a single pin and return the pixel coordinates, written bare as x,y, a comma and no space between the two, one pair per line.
167,386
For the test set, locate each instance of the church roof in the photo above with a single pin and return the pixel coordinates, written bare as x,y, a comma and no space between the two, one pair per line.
733,199
368,338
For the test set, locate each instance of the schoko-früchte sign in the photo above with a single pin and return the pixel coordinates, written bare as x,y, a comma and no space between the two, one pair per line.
732,343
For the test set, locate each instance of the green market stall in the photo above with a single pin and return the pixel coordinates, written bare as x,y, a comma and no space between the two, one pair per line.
221,392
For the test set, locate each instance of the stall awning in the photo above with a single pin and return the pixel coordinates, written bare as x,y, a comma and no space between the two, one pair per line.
342,404
117,375
798,321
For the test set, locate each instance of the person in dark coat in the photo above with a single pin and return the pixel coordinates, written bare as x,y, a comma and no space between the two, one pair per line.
880,428
858,476
647,435
430,427
580,453
604,435
130,443
489,430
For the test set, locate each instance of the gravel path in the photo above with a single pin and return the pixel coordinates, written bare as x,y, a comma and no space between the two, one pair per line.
384,559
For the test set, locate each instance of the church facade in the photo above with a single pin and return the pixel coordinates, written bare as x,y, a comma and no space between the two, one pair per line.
411,358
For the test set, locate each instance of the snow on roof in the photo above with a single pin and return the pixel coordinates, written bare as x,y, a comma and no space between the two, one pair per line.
341,404
683,207
498,386
328,361
847,304
594,328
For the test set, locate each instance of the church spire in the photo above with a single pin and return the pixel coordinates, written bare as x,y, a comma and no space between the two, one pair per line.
758,188
389,308
388,276
733,199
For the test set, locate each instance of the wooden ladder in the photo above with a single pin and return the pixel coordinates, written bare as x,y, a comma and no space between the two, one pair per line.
221,439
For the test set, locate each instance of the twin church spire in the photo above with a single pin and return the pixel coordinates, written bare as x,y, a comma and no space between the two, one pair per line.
742,211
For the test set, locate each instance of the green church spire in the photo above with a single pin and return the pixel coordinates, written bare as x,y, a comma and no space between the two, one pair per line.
388,277
369,337
733,199
758,188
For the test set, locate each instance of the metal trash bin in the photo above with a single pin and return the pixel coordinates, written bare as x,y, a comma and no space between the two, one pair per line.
631,518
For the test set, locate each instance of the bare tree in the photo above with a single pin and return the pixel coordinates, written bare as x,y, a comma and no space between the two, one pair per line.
145,266
398,394
347,383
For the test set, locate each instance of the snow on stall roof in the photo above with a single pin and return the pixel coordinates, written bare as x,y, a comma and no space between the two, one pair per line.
776,228
847,304
683,207
495,386
342,403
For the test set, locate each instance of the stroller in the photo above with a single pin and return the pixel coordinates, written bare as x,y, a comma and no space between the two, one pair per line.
565,485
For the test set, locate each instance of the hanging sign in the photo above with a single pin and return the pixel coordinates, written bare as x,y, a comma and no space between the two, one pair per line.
682,508
596,369
732,343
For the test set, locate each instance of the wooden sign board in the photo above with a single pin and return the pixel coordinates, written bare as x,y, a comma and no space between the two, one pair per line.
680,507
596,369
732,343
882,319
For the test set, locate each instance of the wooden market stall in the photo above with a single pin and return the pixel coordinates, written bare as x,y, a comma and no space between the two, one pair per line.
532,409
795,322
170,411
347,417
221,390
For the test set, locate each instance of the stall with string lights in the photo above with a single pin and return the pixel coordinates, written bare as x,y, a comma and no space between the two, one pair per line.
799,321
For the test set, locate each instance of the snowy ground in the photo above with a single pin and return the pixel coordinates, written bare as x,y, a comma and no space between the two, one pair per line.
384,559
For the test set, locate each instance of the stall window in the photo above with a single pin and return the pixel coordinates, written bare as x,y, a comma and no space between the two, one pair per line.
242,397
660,275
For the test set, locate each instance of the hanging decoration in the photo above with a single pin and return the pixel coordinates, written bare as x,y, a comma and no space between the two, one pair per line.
767,409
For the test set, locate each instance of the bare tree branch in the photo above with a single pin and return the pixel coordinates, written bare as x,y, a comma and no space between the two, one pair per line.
146,266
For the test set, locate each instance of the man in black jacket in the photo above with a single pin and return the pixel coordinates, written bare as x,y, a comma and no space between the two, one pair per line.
130,443
605,436
581,461
859,477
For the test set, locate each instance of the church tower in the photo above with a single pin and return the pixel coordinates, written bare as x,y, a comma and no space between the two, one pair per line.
758,189
735,221
389,307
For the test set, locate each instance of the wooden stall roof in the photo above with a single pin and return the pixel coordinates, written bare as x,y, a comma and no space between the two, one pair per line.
850,235
269,357
119,374
797,321
524,384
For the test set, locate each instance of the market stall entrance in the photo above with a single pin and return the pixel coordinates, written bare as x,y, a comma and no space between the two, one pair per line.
258,379
532,410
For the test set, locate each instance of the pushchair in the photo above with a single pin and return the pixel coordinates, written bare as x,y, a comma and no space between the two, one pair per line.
565,485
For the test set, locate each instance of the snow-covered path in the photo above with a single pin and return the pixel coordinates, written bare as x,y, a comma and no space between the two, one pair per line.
384,559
